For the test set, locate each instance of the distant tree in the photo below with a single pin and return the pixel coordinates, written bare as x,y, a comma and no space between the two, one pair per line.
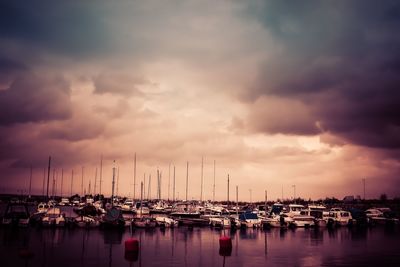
331,201
300,201
383,197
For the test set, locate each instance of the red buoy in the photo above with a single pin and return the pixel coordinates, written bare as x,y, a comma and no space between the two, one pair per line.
131,256
225,251
26,254
131,244
225,242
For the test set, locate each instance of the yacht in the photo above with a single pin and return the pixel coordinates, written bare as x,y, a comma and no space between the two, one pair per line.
294,209
320,218
99,206
86,221
127,206
338,217
166,222
277,221
141,208
16,214
299,216
112,219
249,220
53,217
276,217
302,220
185,209
144,222
381,216
159,208
75,202
64,202
89,199
43,207
373,213
220,222
277,208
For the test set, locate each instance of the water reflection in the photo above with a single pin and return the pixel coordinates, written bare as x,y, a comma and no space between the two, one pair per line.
316,237
200,247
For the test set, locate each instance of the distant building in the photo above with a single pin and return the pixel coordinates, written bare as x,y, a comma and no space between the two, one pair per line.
348,199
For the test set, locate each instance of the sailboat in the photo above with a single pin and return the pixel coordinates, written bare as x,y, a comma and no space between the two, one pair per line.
143,221
113,217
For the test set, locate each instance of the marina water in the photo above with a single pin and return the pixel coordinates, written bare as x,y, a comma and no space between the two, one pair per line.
184,246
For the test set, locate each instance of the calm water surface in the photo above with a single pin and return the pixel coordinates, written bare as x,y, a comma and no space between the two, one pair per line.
200,247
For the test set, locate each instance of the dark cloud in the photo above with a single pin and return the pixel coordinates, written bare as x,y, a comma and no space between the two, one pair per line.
33,98
341,60
75,129
273,115
73,28
9,69
23,145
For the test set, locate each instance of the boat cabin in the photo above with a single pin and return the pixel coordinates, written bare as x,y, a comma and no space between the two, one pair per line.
276,208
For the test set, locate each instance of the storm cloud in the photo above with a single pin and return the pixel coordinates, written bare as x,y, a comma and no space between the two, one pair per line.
32,98
277,92
341,61
72,28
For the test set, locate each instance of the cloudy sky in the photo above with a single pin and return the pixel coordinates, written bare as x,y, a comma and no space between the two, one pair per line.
278,93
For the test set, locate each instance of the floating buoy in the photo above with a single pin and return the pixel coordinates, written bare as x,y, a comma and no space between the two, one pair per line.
25,254
225,242
131,256
225,251
131,244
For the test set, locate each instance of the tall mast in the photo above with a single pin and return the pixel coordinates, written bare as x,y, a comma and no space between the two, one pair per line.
30,183
187,178
228,190
364,187
62,181
44,180
72,180
214,185
113,185
169,178
82,182
173,196
237,201
141,198
149,188
134,177
294,192
117,181
201,184
95,182
101,173
48,178
158,184
144,184
266,196
54,182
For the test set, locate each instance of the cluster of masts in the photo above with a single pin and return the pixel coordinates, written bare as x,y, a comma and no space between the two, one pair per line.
115,182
